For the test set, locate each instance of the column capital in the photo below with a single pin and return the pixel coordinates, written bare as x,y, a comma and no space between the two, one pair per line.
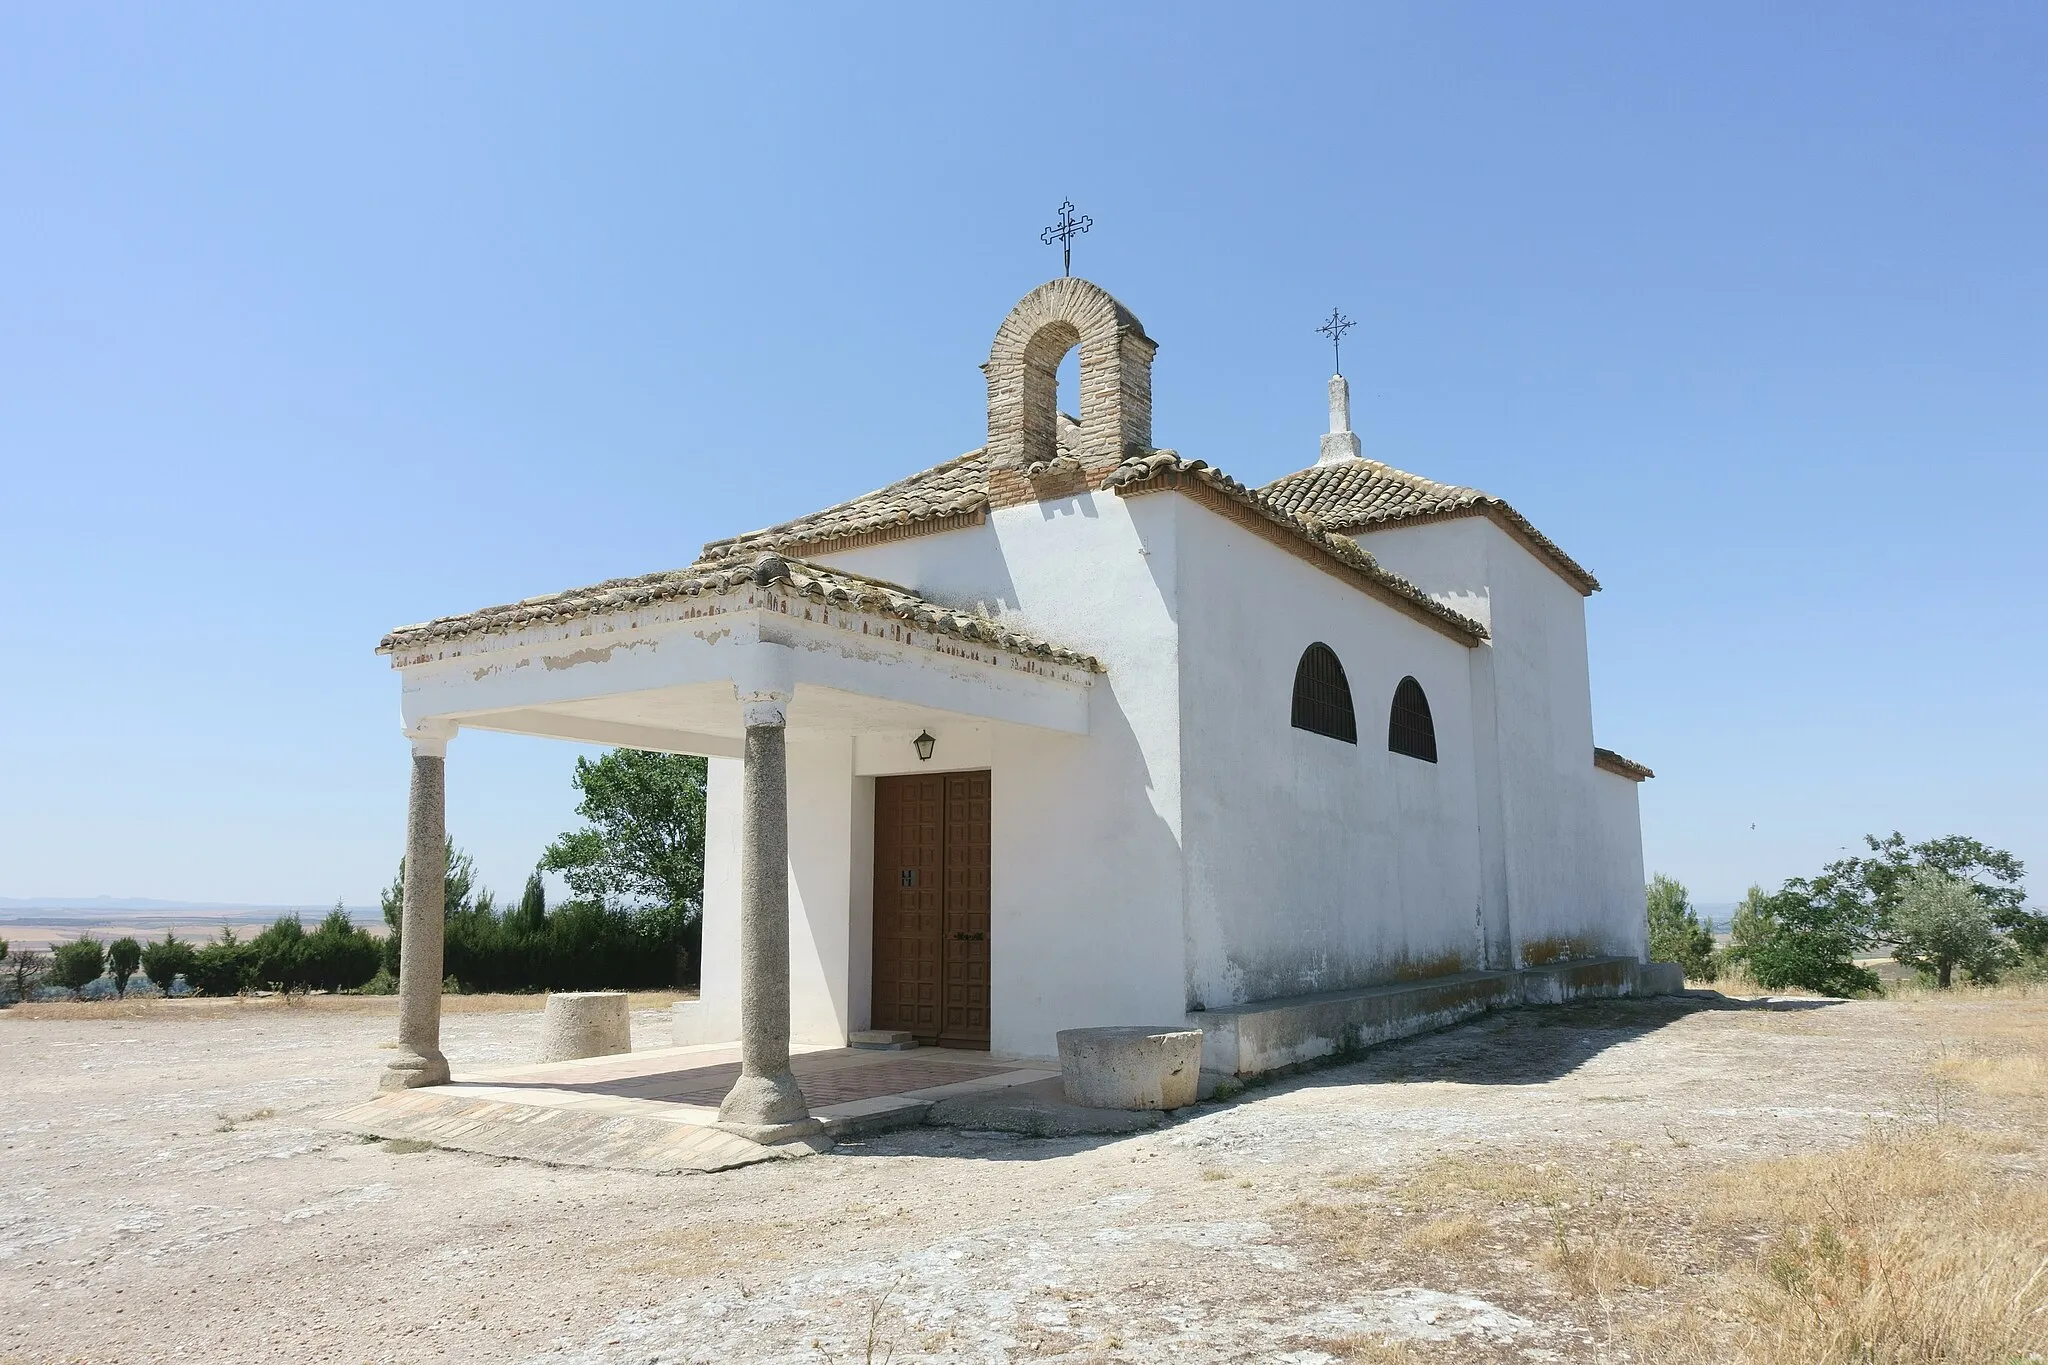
430,738
763,681
766,707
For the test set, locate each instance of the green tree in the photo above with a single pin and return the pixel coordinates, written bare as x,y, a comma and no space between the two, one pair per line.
643,846
1676,934
222,967
339,955
1806,935
1939,923
1992,875
457,884
166,959
533,904
277,956
77,964
124,955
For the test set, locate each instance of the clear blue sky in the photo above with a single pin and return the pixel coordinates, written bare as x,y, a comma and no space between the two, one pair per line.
314,322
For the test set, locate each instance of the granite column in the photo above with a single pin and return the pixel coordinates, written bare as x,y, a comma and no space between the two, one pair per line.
422,923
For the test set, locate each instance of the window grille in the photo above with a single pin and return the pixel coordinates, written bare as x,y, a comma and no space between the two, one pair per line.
1410,730
1322,697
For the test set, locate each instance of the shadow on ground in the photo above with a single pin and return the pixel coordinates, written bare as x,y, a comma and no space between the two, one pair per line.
1539,1045
1533,1046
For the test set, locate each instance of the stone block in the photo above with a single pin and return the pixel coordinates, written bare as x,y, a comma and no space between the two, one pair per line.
584,1024
881,1040
1246,1040
1592,978
1130,1067
1659,978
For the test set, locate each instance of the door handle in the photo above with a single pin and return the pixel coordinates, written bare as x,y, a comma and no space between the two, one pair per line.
970,938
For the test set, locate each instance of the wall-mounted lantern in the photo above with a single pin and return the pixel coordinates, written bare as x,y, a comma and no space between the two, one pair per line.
925,744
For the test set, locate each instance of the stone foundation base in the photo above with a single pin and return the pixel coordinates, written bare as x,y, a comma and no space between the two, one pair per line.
1267,1035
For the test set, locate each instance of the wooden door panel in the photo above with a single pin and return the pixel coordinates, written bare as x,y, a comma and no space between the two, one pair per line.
931,948
966,910
909,905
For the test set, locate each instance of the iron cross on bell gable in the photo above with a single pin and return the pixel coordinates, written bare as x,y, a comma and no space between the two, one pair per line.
1064,232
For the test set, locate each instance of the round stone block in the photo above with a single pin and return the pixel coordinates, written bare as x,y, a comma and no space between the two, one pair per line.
584,1024
1130,1068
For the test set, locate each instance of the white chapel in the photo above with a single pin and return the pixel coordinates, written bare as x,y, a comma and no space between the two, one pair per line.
1071,731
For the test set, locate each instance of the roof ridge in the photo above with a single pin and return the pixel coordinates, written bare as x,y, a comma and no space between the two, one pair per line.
1341,497
1137,470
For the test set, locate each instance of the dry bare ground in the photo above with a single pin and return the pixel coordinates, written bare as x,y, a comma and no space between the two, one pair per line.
1680,1180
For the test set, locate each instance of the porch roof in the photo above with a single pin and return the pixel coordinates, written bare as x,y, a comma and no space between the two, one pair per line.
713,576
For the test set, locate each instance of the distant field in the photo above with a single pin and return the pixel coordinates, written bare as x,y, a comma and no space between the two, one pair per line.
33,930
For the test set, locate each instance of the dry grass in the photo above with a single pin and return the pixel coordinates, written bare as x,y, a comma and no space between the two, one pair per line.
1603,1262
1460,1232
222,1007
1464,1180
1916,1244
1371,1351
1909,1246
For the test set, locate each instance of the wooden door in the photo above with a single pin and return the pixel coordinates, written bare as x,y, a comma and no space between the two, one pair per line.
932,907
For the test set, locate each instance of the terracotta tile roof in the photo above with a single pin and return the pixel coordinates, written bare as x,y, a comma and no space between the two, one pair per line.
1362,494
957,488
1166,468
713,576
1621,767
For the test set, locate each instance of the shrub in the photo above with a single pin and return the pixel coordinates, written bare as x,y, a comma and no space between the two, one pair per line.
77,964
124,955
223,967
1804,936
277,956
338,955
383,983
25,967
165,960
1676,934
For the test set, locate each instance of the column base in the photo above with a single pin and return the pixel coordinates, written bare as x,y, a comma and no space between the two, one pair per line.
768,1134
764,1102
411,1072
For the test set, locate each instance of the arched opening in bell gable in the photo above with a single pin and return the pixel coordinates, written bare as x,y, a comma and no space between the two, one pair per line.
1052,385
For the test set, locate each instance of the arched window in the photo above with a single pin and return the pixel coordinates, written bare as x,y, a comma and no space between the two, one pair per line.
1410,730
1322,698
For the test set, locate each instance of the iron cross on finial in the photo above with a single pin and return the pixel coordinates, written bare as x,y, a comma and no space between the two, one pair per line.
1064,232
1334,329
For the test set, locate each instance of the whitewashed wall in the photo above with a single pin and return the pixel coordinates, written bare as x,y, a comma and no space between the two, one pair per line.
1086,923
1314,864
1551,838
831,897
1622,883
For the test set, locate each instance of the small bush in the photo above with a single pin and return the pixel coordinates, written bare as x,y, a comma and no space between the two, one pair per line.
225,966
77,964
165,960
338,955
124,955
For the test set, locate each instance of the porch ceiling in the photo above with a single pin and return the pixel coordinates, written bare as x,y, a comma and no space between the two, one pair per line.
702,718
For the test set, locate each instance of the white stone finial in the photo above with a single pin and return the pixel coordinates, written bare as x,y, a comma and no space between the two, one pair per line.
1340,442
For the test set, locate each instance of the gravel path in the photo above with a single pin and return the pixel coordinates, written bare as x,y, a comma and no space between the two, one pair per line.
167,1195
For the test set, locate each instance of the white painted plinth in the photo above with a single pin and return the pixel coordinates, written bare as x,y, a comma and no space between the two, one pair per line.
584,1024
1130,1068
